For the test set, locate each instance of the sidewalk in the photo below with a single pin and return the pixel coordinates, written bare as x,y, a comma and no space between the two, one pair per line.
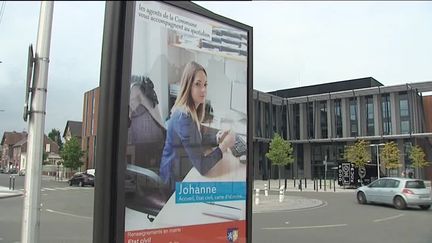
5,192
276,201
309,187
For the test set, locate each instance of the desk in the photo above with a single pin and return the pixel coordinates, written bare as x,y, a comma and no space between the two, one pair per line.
228,168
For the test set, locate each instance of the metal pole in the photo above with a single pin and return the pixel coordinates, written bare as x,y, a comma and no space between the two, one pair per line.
32,207
378,162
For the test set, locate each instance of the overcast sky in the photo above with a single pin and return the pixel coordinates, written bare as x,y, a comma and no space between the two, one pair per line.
295,44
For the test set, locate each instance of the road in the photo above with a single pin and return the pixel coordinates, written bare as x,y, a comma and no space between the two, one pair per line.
342,219
67,216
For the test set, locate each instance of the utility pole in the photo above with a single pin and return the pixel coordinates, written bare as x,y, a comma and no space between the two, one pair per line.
36,124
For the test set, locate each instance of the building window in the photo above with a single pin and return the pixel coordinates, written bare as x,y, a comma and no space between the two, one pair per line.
323,119
386,114
47,147
338,118
310,120
284,121
93,114
353,117
296,125
404,113
257,118
370,127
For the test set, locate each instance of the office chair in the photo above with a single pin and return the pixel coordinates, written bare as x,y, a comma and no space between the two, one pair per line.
144,189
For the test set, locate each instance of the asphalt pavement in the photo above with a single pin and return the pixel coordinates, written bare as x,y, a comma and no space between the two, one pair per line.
273,199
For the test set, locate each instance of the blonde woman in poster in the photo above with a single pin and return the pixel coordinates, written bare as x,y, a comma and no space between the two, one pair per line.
186,139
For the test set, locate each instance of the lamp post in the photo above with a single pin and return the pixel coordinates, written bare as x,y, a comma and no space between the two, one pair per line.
378,162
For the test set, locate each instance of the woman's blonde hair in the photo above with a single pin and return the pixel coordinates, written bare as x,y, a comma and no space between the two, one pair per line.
184,99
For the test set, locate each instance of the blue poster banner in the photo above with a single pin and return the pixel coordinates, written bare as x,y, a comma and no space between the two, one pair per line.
193,192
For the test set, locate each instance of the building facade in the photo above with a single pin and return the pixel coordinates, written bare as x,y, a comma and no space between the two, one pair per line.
9,139
89,127
321,120
14,145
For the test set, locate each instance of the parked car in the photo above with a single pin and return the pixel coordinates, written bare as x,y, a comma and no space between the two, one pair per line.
399,192
81,179
2,170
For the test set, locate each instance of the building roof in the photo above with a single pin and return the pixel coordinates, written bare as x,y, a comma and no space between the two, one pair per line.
75,128
11,138
359,83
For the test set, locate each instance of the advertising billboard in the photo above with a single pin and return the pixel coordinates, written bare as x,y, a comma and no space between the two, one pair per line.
186,157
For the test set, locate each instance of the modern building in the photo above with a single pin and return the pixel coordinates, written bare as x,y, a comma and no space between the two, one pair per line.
321,120
89,127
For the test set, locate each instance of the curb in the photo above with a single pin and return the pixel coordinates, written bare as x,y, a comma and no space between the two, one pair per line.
17,194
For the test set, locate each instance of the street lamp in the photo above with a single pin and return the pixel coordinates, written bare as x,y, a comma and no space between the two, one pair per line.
378,162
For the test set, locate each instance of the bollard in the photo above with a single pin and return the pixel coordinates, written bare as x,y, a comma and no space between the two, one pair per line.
314,179
300,185
10,182
334,184
281,194
294,182
316,184
285,183
325,185
330,185
13,183
305,186
265,190
320,184
257,196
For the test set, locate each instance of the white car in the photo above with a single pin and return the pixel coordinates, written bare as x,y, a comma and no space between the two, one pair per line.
400,192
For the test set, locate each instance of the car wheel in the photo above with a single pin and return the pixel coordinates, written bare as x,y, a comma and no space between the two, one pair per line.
399,203
81,184
425,207
361,198
70,183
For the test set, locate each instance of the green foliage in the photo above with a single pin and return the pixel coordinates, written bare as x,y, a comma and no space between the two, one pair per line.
280,152
72,154
56,137
389,156
358,153
417,157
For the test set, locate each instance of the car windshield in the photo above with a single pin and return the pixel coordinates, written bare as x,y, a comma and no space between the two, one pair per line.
415,184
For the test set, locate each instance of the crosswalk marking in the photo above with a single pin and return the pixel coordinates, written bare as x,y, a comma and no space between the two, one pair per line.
61,188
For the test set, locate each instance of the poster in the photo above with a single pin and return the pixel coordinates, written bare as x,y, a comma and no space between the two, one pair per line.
186,158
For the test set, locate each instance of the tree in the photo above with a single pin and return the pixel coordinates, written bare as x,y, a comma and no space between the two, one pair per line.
280,152
389,156
55,136
72,154
358,154
417,156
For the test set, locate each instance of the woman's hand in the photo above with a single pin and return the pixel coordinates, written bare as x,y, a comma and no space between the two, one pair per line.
220,136
228,141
